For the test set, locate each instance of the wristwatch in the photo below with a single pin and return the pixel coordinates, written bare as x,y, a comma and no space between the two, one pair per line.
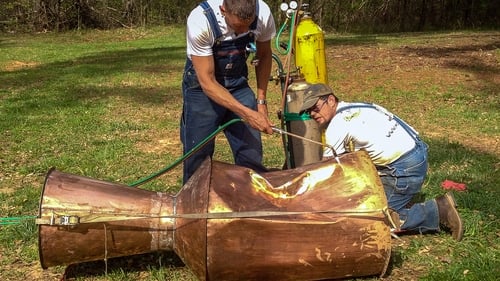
261,102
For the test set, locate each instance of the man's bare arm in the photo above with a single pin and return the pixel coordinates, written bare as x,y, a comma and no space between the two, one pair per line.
205,70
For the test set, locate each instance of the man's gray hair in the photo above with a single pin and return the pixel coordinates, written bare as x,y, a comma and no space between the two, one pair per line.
243,9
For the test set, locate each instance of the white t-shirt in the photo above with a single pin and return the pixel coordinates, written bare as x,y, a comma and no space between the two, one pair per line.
374,130
200,37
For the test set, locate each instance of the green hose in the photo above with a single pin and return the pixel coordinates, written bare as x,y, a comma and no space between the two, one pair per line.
290,37
185,156
15,220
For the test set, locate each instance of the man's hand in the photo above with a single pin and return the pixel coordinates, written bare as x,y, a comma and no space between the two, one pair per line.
259,120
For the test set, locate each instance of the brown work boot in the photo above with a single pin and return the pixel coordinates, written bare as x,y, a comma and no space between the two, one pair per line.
449,217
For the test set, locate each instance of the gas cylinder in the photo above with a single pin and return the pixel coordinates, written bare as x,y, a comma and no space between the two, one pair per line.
301,152
310,55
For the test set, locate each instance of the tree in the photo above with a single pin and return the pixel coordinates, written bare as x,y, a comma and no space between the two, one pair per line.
340,15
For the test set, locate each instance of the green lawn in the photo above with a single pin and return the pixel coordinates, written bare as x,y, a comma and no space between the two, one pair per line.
106,104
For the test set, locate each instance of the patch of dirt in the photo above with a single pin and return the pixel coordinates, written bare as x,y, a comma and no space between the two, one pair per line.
441,63
16,65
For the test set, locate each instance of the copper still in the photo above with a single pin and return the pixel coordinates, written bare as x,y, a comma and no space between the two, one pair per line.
320,221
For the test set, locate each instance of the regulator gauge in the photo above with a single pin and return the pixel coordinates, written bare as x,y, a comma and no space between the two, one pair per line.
284,6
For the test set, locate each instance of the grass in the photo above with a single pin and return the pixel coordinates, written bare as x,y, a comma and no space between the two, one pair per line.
106,104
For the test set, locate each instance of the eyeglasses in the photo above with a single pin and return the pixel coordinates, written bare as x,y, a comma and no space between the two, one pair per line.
317,108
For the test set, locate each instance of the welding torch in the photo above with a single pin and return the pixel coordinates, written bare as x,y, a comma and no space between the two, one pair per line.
280,131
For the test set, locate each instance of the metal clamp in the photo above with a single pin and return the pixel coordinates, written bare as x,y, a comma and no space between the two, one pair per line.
69,220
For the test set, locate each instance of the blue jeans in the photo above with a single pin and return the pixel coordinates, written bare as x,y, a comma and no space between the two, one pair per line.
402,179
201,117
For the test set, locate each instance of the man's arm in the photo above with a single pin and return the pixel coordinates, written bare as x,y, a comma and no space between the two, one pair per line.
263,72
205,70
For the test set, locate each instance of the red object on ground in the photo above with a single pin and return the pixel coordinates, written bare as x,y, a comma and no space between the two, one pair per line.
448,184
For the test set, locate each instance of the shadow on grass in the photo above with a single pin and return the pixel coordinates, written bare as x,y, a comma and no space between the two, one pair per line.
91,80
129,264
68,80
465,58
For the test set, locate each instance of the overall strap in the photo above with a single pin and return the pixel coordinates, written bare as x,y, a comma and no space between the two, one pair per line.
391,116
209,13
253,26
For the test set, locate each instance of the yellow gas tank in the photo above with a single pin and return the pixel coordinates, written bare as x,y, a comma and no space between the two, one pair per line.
309,50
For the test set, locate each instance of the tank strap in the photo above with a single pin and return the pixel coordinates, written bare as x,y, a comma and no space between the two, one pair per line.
60,217
402,123
292,116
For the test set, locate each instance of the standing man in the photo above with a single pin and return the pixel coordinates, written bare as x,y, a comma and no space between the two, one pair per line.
215,87
395,148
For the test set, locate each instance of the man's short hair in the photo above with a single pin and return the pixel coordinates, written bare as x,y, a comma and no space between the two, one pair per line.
243,9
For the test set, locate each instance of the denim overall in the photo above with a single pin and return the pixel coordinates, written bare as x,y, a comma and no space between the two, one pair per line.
403,179
201,116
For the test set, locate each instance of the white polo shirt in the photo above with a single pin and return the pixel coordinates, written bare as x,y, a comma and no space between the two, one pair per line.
370,129
199,35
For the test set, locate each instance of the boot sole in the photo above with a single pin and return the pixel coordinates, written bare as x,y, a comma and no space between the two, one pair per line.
452,202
